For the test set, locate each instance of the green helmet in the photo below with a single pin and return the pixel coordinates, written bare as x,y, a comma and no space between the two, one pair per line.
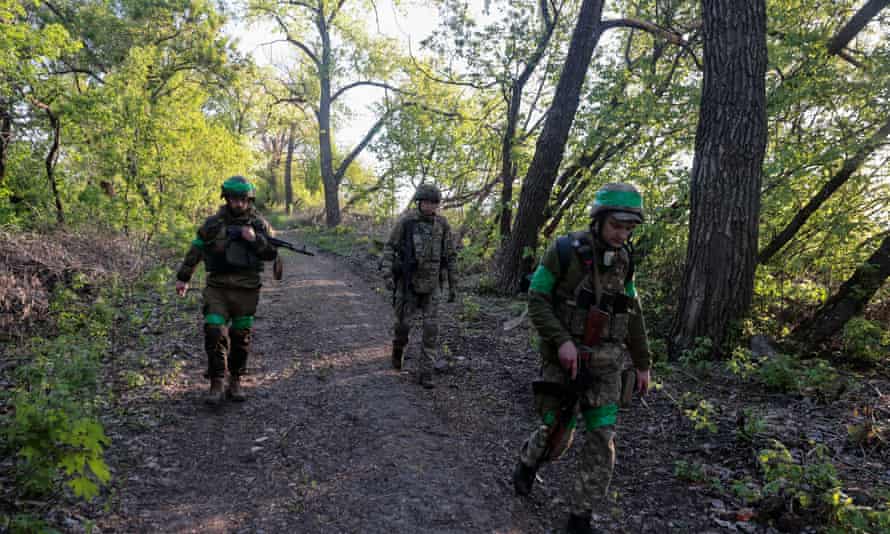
622,201
427,192
239,187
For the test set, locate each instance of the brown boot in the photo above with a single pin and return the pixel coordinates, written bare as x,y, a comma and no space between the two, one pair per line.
215,396
397,353
234,393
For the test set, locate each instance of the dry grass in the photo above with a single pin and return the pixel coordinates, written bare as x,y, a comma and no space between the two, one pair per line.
33,265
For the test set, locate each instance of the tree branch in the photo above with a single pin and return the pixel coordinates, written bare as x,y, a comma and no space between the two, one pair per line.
666,34
299,44
855,25
850,166
382,85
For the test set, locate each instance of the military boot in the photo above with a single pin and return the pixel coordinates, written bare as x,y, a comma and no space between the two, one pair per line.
425,379
579,524
234,392
216,395
523,478
397,355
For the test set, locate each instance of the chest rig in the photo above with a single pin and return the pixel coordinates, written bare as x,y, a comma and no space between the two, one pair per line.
427,237
592,303
227,252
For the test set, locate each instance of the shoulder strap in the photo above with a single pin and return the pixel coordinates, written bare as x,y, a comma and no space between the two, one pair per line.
407,238
629,248
564,251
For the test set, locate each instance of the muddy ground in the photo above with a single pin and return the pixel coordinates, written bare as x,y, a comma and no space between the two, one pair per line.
332,439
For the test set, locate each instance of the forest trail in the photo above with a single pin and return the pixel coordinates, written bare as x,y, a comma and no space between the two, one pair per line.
332,439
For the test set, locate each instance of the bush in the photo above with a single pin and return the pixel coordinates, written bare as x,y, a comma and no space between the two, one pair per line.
865,341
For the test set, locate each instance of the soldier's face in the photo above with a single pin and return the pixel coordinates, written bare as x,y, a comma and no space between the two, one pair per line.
237,205
428,207
615,233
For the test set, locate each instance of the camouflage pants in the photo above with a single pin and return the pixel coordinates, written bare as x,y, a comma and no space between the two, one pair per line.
409,306
598,406
228,328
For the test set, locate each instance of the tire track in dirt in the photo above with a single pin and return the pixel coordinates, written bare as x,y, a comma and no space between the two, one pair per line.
331,438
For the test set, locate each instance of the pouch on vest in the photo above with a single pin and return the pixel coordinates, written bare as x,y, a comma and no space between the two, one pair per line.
426,278
239,253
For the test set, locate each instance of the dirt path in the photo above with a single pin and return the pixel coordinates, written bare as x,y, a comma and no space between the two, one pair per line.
331,440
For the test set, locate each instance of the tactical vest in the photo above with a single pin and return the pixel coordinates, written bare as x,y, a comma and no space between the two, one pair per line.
227,252
428,239
572,302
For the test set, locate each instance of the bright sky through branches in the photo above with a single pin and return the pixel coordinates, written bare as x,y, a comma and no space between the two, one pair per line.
409,23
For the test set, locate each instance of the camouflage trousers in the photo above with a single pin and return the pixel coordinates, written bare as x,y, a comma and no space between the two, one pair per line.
598,406
408,306
228,328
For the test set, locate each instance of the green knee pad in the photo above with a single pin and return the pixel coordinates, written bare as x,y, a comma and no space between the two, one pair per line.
600,416
214,319
244,322
549,419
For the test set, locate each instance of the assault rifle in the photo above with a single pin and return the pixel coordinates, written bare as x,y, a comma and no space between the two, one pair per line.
280,243
407,264
234,232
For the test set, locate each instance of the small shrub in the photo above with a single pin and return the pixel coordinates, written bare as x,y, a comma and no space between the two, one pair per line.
865,341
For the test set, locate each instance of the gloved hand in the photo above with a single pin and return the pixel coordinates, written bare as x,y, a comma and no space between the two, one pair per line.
390,284
452,295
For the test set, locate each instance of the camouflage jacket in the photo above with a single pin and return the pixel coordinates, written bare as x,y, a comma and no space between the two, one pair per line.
555,291
433,252
213,246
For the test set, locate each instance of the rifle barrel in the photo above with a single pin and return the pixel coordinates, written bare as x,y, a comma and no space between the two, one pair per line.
280,243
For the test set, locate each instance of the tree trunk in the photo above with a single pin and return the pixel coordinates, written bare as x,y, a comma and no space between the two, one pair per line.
508,167
855,25
5,136
550,148
849,168
721,258
50,163
326,153
288,169
850,299
508,164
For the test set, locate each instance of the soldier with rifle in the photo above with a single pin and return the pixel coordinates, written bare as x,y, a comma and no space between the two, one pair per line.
233,244
584,305
416,259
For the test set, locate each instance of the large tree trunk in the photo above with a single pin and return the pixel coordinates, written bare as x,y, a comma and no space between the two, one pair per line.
329,178
288,169
550,148
850,299
730,142
849,168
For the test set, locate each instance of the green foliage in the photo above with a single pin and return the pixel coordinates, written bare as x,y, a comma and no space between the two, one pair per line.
865,341
753,425
809,481
470,309
741,363
699,356
702,415
25,524
698,473
53,431
51,440
340,240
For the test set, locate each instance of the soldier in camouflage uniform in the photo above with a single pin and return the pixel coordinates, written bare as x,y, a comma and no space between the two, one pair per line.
586,270
416,259
233,244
